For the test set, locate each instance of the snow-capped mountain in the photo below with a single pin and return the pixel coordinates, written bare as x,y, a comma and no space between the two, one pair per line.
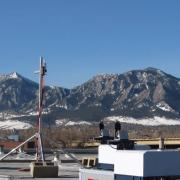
137,94
20,94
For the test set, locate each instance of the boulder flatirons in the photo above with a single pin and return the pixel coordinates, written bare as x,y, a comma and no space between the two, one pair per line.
137,94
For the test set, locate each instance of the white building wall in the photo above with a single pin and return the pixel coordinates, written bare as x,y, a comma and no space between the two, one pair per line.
129,162
142,163
106,154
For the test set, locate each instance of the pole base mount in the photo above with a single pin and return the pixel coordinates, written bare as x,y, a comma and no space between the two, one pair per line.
43,170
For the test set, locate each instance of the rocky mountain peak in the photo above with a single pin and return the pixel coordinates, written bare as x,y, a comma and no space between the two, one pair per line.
152,69
13,75
138,93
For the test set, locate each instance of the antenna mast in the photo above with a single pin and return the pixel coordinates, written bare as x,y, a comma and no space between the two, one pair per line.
38,135
42,73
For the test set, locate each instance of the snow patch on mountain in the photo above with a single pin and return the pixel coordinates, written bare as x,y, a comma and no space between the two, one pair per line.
62,106
60,122
52,87
7,116
14,124
165,107
160,72
72,123
13,75
156,121
68,122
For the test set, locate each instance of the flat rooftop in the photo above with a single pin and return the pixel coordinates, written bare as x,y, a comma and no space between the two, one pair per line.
18,166
18,170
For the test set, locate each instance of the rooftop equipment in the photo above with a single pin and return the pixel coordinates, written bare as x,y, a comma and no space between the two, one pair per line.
120,159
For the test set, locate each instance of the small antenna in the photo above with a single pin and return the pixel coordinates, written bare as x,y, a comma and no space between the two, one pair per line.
101,128
117,128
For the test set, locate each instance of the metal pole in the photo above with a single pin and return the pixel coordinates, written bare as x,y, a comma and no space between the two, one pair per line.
40,92
41,78
41,147
17,147
161,143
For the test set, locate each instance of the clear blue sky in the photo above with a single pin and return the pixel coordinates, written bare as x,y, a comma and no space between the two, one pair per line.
82,38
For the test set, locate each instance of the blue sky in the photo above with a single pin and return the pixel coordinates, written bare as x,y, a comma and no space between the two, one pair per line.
82,38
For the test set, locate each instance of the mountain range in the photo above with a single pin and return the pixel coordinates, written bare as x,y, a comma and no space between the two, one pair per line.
137,94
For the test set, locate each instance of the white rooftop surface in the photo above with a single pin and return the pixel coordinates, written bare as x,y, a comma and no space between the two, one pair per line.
143,163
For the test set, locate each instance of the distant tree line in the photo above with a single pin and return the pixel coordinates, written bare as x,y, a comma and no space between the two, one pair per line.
68,136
